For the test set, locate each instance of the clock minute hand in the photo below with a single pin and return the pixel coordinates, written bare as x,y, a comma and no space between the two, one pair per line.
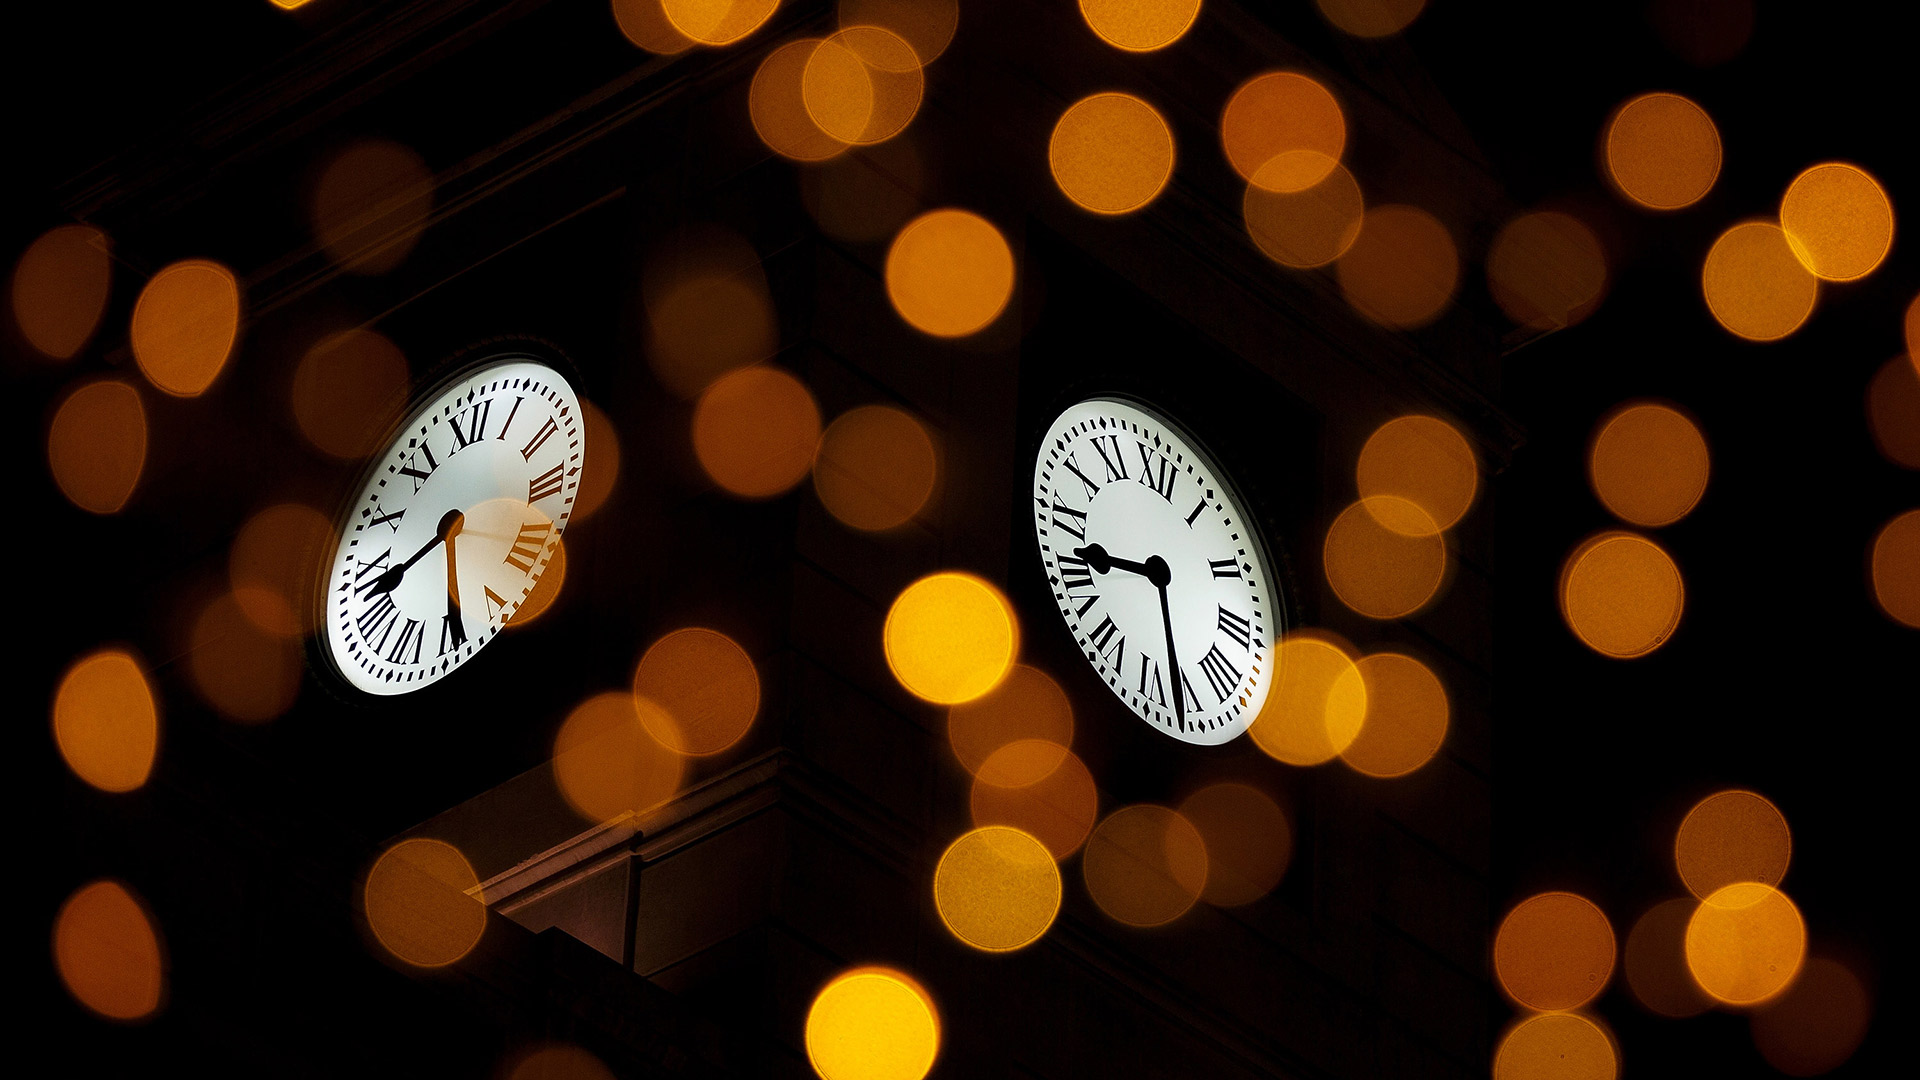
450,523
455,622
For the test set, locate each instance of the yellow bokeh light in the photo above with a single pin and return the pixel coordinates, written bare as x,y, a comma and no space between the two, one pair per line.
1662,151
1111,153
1145,865
1554,952
1556,1046
875,468
927,25
872,1023
1371,18
60,288
778,111
1402,269
1893,411
949,273
1407,715
1817,1024
755,431
1385,571
185,324
1139,25
862,86
718,22
997,888
273,565
370,204
244,672
346,390
1656,961
1318,703
1546,270
1755,285
602,451
1838,221
1309,227
1731,837
1621,594
1745,943
1058,808
706,687
645,23
107,950
105,720
422,903
1896,568
1423,460
97,445
1648,465
607,763
1283,112
560,1061
950,637
1247,838
1028,704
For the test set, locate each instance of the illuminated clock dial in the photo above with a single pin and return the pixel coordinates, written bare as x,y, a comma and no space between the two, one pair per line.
453,525
1159,572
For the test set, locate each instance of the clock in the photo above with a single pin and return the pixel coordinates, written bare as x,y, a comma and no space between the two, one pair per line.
1160,573
453,524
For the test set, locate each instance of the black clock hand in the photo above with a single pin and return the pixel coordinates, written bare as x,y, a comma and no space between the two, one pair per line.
1156,570
387,582
455,622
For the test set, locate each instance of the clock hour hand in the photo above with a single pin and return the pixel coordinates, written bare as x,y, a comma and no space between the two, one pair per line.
1156,570
449,526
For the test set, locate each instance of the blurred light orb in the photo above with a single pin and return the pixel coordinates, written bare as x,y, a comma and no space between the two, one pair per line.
1406,716
1893,411
718,22
1247,838
107,950
1556,1046
1546,270
706,687
1896,569
242,671
1318,704
1838,221
1817,1024
1912,329
273,565
779,112
1307,228
1139,25
1371,18
106,722
755,430
370,204
862,86
607,763
546,590
97,445
185,324
997,889
645,23
872,1023
1058,808
1422,460
1111,153
1745,943
1662,151
1703,32
1755,285
1731,837
1402,269
1621,595
1028,704
1283,112
950,637
1648,465
602,451
60,288
1553,952
1380,570
708,310
422,904
1656,961
875,468
927,25
560,1061
1145,865
346,390
949,273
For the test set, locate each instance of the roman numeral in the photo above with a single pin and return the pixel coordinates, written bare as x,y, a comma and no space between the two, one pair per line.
476,419
495,604
1186,690
366,570
1199,506
1074,523
1105,642
1222,676
1085,481
1074,573
411,634
526,546
410,469
539,439
378,619
547,483
1115,462
1150,685
511,413
452,634
381,517
1225,567
1161,480
1237,628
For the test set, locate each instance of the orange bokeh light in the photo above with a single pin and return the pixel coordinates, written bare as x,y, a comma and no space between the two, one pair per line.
1817,1024
242,671
1913,331
927,25
1754,284
546,590
1662,151
778,111
60,288
1554,952
422,903
1838,221
370,205
1307,228
1402,269
1145,865
560,1061
606,762
1893,411
1407,714
875,468
708,311
1621,595
718,22
1745,943
645,23
1283,112
1111,153
1656,961
97,445
755,431
1560,1046
1371,18
602,452
1247,838
1731,837
949,273
273,565
346,390
107,950
997,888
1318,703
1546,270
106,722
1139,25
1058,809
862,86
1385,571
706,687
1424,461
185,324
950,637
1648,465
1028,704
1896,568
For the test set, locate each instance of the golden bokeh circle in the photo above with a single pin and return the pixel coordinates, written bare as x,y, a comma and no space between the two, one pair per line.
185,324
1247,838
997,888
1111,153
60,288
1422,460
560,1061
875,468
370,204
97,445
1838,221
1402,269
1282,112
1027,705
1656,961
1621,595
1662,151
1145,865
1554,951
1371,18
706,689
778,110
927,25
1648,465
755,430
1139,25
245,673
422,903
1385,571
1731,837
1546,270
274,561
346,390
1893,411
1310,227
949,273
1406,716
645,23
950,637
1318,703
717,22
862,86
106,722
872,1023
1556,1046
1058,808
107,950
1755,285
1745,943
607,763
1896,568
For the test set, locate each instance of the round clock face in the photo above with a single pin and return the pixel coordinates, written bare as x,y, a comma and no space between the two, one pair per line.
1159,572
453,525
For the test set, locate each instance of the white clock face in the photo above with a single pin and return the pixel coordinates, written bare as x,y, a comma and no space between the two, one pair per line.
453,526
1160,574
